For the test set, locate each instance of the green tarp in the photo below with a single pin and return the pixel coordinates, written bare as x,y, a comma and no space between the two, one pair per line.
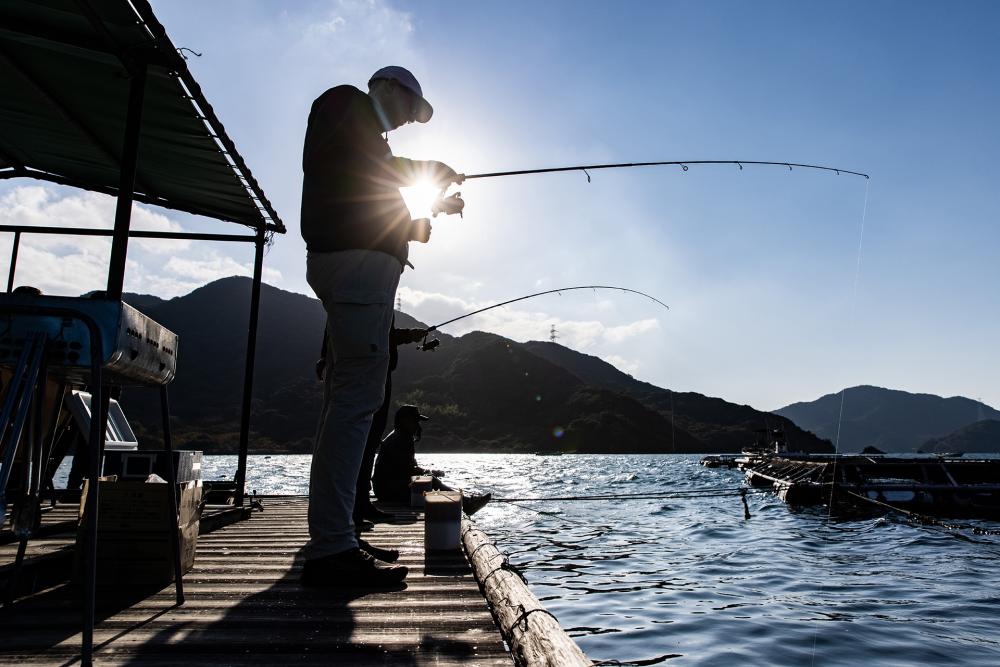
65,68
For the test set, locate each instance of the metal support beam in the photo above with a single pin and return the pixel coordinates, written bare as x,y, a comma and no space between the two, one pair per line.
172,519
130,159
241,466
133,233
13,262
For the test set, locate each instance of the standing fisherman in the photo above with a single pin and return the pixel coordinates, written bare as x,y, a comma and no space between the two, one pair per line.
357,230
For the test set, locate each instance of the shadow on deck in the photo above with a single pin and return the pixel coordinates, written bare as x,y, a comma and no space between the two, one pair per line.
244,605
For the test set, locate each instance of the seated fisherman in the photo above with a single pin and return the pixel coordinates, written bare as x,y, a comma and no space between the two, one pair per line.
397,463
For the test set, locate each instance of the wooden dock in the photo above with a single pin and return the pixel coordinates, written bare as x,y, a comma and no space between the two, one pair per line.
244,605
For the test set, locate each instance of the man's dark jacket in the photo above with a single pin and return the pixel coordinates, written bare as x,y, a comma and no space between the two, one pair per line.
350,188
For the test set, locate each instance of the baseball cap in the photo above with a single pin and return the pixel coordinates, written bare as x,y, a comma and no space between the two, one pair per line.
406,79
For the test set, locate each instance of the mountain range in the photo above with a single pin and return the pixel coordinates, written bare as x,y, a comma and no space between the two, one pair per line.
483,392
895,421
982,436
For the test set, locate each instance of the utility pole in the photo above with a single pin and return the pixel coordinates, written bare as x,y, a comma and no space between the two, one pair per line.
552,334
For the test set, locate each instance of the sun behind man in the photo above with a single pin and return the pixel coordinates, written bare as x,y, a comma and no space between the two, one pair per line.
357,230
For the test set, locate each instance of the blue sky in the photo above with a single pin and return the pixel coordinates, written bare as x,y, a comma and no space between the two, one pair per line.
759,266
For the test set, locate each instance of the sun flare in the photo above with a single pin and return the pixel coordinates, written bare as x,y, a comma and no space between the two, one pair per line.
420,198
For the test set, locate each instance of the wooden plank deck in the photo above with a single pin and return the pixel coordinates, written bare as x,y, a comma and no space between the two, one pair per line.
244,605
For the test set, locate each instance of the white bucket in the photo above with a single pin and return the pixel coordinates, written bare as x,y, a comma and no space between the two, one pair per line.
443,520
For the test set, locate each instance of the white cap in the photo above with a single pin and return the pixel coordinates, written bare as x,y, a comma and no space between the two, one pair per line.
408,81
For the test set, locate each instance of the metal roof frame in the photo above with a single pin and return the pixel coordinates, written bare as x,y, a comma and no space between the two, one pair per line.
137,42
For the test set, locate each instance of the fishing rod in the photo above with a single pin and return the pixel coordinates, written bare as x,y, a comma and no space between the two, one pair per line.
683,164
455,204
431,344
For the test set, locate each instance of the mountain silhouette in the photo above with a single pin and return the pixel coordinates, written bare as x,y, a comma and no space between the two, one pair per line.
979,437
891,420
482,391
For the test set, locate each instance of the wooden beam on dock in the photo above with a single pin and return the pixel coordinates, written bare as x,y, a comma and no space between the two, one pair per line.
534,635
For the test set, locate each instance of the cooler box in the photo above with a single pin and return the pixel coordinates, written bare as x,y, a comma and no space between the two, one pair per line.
443,520
133,546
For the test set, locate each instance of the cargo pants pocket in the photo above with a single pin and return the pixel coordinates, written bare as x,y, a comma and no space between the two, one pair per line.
359,330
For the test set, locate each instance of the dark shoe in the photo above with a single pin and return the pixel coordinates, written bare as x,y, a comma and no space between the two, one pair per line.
384,555
352,568
473,504
362,526
375,515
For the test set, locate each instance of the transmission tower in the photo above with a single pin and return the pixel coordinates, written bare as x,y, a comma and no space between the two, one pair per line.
552,334
399,303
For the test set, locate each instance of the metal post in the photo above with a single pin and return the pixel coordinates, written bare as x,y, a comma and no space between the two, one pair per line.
126,183
96,447
13,262
172,520
241,466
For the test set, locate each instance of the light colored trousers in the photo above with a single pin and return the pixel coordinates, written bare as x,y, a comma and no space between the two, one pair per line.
357,288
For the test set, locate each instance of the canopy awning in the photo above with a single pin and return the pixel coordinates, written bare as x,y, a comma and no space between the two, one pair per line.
65,68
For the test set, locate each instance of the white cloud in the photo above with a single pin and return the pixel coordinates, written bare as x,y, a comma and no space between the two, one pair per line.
626,365
356,36
220,266
72,265
323,28
621,333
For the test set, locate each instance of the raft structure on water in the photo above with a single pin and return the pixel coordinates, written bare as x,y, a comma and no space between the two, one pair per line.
947,486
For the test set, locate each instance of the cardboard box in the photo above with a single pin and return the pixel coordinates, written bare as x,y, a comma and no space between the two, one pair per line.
133,546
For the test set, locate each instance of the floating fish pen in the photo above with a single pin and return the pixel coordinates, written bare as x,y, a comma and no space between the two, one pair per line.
932,485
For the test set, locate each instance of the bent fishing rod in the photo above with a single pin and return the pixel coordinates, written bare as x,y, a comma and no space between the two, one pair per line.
430,345
454,203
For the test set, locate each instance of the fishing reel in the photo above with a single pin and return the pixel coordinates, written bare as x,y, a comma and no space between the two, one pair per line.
448,205
429,345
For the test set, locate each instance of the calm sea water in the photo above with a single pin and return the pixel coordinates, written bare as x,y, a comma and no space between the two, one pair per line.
689,581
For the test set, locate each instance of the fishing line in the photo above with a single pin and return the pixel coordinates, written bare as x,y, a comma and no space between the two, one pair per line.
554,515
683,164
843,393
854,301
551,291
688,493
